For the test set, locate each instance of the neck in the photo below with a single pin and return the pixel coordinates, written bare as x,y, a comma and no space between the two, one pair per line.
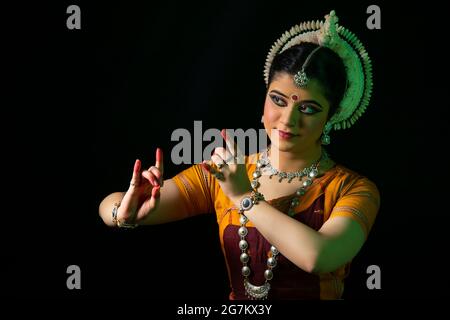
290,162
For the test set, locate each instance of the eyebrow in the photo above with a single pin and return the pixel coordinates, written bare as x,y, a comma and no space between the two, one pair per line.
308,101
281,94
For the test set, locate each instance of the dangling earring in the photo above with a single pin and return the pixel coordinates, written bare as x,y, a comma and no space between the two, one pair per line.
262,119
326,139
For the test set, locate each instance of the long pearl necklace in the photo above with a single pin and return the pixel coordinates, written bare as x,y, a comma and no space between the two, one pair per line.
311,172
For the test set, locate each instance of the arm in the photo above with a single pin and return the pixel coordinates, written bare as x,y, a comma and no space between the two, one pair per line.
148,200
336,243
338,240
170,207
151,200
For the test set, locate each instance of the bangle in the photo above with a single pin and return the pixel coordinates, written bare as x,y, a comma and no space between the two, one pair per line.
248,201
117,222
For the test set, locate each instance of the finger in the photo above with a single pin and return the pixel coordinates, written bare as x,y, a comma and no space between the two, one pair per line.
160,164
239,156
210,167
206,166
155,197
229,142
229,156
218,161
156,192
157,174
221,152
232,147
159,160
150,177
135,179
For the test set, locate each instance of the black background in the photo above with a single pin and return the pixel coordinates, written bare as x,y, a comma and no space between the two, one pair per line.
86,103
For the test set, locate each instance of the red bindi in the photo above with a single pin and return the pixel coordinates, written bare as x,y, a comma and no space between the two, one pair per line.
294,97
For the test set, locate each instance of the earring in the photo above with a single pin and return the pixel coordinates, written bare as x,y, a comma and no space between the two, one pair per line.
262,119
326,139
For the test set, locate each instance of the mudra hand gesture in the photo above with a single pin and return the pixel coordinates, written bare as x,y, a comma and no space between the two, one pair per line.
142,196
228,167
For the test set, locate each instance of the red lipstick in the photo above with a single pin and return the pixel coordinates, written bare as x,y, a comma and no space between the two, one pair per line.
286,135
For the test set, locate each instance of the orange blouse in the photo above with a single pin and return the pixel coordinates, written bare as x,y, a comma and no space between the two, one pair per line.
338,192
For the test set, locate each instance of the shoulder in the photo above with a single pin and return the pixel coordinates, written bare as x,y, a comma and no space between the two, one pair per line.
355,196
347,181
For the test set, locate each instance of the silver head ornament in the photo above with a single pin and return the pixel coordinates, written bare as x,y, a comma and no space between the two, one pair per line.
349,48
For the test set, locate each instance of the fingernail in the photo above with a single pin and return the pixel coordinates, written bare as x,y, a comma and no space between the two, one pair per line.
205,166
158,154
224,133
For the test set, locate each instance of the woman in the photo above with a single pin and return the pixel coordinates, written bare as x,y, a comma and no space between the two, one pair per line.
290,218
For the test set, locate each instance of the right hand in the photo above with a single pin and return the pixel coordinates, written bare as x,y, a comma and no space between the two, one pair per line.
143,194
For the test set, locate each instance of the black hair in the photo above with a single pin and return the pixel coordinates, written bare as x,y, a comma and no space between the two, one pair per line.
325,66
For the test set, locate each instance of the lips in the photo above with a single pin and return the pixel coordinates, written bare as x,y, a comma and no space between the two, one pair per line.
286,135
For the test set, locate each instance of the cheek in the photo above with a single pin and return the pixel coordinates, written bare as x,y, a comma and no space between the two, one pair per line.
271,114
314,125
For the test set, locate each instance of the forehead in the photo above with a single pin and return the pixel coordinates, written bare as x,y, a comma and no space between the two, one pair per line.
284,82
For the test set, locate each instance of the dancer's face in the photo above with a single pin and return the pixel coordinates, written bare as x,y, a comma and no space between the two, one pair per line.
300,111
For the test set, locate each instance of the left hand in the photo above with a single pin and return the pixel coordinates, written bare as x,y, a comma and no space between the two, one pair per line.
228,167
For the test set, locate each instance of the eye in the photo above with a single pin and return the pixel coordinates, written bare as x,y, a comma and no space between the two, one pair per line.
308,109
277,100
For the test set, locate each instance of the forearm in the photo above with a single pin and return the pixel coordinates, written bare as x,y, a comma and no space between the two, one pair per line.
299,243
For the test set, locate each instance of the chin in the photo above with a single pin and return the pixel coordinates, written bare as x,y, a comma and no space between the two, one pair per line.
284,146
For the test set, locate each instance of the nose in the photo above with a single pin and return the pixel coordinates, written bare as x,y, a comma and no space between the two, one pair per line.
289,118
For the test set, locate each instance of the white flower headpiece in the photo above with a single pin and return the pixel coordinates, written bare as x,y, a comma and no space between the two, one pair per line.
353,54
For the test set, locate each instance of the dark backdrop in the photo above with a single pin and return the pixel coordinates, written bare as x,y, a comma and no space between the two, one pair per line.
87,103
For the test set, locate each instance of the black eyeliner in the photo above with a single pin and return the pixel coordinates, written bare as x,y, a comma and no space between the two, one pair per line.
272,98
